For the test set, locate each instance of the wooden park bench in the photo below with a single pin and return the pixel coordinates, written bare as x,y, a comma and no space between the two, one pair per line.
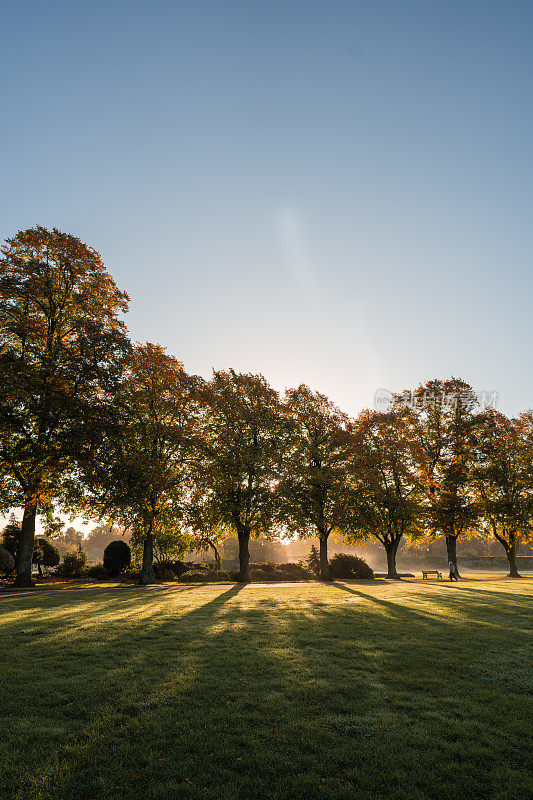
426,572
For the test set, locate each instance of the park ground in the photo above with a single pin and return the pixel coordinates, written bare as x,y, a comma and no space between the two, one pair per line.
373,690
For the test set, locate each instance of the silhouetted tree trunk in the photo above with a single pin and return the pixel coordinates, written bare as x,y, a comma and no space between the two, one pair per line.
27,540
391,548
147,572
451,550
218,560
324,564
243,535
510,551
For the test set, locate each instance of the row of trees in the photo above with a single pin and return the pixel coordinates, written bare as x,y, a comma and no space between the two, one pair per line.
91,423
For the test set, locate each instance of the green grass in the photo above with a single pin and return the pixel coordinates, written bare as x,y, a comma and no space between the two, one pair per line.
369,690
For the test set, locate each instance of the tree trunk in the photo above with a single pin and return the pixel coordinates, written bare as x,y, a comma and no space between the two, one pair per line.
451,549
391,548
324,564
27,541
147,572
218,560
244,556
510,552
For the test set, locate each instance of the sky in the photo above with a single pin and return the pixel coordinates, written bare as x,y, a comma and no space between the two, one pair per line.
335,193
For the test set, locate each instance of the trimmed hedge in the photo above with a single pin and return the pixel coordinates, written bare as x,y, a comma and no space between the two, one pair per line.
117,556
344,565
280,572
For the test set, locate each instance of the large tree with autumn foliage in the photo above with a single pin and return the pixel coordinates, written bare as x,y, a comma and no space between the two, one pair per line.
443,421
61,345
240,446
504,480
139,473
384,484
312,492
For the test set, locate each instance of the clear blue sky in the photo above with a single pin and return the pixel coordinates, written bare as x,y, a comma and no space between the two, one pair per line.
338,193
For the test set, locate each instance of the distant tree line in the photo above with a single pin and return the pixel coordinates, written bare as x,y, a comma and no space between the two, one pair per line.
95,425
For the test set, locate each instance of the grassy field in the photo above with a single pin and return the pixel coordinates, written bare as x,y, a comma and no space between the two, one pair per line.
364,690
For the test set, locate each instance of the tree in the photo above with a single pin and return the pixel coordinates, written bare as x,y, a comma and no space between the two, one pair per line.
385,488
117,555
443,420
239,447
171,542
312,492
504,480
313,560
11,536
61,341
7,562
137,474
45,554
74,563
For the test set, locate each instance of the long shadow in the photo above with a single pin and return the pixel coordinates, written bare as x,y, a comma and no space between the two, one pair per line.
395,609
256,698
126,660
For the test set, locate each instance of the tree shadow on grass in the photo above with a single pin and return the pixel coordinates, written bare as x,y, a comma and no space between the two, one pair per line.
243,697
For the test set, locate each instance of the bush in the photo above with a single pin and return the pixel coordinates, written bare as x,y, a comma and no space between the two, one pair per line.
280,572
400,575
117,556
207,576
7,562
343,565
177,567
164,573
97,571
74,564
131,573
45,554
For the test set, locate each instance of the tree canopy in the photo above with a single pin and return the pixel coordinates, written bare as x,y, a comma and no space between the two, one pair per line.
240,446
91,423
61,343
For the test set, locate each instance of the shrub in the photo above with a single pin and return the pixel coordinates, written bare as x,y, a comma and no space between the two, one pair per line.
400,575
164,573
280,572
178,567
207,576
343,565
131,573
199,567
45,554
117,556
74,564
97,571
7,562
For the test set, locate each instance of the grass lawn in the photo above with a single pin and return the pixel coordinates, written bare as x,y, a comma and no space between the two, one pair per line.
365,690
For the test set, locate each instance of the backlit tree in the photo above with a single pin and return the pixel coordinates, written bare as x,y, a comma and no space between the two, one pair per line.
61,341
